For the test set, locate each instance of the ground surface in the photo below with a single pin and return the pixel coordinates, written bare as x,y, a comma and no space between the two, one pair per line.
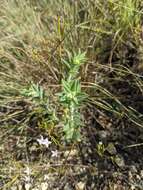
87,165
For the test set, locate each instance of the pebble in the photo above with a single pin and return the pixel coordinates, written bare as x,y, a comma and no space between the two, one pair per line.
80,186
111,149
27,186
44,186
67,187
70,153
133,169
141,173
119,160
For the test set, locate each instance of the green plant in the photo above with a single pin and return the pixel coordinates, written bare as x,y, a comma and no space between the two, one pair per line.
34,91
71,97
100,149
43,111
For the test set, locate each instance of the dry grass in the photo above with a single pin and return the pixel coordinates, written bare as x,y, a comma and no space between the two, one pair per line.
35,37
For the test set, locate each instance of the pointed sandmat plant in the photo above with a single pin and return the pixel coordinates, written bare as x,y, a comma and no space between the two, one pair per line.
71,97
34,91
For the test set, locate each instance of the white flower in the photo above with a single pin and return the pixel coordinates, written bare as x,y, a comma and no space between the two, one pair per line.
28,170
27,178
46,177
54,153
43,141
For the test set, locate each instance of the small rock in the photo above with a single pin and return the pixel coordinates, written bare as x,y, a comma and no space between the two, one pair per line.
67,187
119,160
44,186
70,153
103,135
80,186
111,149
133,169
141,173
27,186
33,147
138,177
133,187
141,137
14,188
130,175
